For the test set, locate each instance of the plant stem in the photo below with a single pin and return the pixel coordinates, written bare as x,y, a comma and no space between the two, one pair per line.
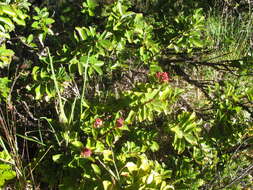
62,116
84,83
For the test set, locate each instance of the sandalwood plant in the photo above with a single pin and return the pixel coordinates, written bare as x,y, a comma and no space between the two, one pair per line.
122,94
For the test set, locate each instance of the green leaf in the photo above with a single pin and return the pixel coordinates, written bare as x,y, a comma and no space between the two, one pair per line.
19,21
7,21
152,93
4,35
155,68
119,5
188,128
4,87
150,115
77,144
49,21
129,36
150,178
107,155
164,186
98,63
31,139
100,146
37,10
96,169
2,181
91,31
131,167
20,14
166,95
141,115
109,139
8,175
92,4
80,68
6,52
8,10
145,112
62,118
157,106
57,157
154,146
81,33
191,139
44,74
85,103
97,69
177,131
107,185
38,94
179,145
130,117
42,37
30,38
35,25
34,72
106,44
197,42
5,166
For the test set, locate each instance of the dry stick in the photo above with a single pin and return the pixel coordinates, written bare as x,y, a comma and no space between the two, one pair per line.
28,157
181,73
28,111
12,144
13,84
244,173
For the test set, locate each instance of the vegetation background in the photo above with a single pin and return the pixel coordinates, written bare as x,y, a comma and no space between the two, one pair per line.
126,94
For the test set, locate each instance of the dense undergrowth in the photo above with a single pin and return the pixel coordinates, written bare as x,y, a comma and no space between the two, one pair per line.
118,94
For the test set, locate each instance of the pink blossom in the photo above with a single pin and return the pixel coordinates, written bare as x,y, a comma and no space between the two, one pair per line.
119,122
98,123
162,76
86,152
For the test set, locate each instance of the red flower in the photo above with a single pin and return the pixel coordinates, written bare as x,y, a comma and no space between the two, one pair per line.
119,122
98,123
162,76
86,152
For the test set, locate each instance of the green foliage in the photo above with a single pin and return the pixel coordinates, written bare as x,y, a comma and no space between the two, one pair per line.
185,131
9,16
4,88
190,34
117,95
6,171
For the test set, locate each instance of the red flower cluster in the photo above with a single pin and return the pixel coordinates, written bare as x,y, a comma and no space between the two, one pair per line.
98,123
86,152
162,76
119,122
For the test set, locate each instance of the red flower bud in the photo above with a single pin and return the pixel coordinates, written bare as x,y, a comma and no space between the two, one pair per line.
119,122
98,123
86,152
162,76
